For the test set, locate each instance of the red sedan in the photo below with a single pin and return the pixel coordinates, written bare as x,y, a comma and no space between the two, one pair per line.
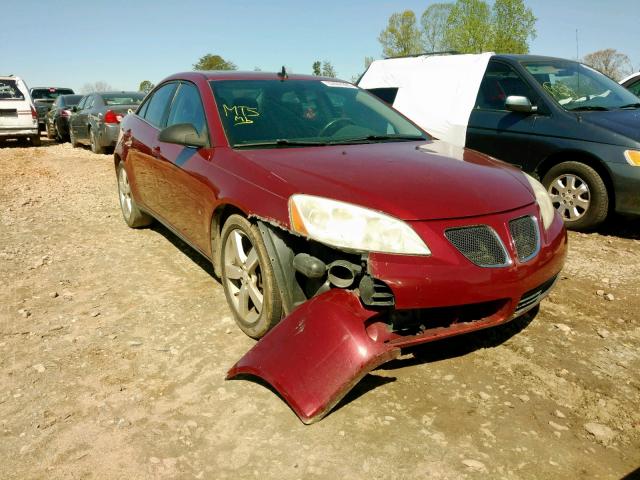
341,232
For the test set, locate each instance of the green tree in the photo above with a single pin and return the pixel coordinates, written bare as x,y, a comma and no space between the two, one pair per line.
434,22
317,68
402,35
328,70
145,86
469,27
368,61
513,26
214,62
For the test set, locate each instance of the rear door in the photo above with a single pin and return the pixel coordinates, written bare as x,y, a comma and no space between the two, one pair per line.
82,120
492,128
75,116
150,181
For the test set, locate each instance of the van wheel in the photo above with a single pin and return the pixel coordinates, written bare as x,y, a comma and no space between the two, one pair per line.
578,193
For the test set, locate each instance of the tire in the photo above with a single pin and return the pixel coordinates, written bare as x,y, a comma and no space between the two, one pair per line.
133,216
72,138
95,146
36,141
248,278
578,193
50,134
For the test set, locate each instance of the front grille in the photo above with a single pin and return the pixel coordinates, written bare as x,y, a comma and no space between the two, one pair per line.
524,231
480,244
533,297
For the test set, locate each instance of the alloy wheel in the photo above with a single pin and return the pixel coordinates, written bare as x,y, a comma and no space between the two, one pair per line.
124,193
243,275
570,196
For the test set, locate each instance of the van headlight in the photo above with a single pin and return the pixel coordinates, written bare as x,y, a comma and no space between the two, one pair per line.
350,227
547,211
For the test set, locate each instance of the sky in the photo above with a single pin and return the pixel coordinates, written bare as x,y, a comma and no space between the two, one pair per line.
122,42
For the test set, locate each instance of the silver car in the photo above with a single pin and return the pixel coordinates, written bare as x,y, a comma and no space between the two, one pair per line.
96,119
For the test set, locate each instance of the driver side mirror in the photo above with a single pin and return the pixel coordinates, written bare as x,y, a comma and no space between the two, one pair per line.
74,108
183,134
517,103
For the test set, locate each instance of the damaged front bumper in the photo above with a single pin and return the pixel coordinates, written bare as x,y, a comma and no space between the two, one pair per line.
332,337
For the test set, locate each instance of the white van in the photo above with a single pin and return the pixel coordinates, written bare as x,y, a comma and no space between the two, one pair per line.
18,116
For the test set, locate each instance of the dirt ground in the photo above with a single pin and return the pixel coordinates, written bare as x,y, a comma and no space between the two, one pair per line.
114,344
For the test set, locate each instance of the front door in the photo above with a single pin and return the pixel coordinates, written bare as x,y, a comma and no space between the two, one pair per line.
492,128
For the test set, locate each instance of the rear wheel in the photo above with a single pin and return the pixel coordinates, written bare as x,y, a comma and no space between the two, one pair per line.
248,278
95,145
578,193
130,211
35,140
50,132
72,138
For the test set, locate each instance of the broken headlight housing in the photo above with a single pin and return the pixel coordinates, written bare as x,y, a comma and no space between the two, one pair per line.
353,228
547,211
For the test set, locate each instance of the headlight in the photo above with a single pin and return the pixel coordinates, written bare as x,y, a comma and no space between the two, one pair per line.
544,201
633,157
350,227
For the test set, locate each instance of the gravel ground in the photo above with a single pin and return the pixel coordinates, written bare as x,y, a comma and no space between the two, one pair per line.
114,344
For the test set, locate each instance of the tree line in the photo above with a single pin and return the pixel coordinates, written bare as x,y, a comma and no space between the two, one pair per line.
463,26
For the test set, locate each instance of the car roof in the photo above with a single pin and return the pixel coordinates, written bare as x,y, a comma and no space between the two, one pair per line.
630,77
529,58
240,75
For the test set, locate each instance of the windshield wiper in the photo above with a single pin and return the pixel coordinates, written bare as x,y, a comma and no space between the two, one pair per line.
631,105
282,142
379,138
587,108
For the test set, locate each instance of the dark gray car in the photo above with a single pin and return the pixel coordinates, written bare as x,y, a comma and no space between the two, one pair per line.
96,119
43,98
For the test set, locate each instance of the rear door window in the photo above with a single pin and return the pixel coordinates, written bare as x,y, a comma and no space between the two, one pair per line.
9,90
156,112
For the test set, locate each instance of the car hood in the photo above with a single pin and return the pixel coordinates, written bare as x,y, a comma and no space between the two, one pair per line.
622,122
409,180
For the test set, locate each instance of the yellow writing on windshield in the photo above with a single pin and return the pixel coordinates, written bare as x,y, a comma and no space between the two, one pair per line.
241,114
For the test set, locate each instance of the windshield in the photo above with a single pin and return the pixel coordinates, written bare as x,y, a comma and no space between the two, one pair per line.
305,112
49,93
579,87
124,98
9,90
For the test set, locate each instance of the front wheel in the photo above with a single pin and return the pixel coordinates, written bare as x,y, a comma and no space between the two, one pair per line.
134,217
248,278
578,193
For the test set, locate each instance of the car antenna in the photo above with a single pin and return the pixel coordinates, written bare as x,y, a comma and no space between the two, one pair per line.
283,74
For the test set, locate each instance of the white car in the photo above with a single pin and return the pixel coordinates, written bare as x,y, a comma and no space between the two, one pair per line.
632,83
18,115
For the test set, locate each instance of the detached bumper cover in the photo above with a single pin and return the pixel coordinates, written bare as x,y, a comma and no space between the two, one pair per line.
317,354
